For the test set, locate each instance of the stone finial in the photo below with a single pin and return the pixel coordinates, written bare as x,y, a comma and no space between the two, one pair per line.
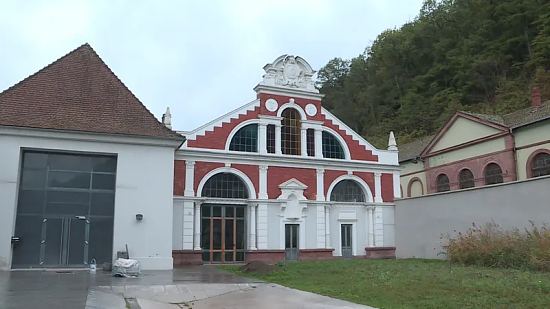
167,118
392,144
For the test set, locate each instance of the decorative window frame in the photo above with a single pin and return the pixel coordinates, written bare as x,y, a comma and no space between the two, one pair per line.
292,104
236,129
347,154
529,162
409,186
369,197
251,190
483,170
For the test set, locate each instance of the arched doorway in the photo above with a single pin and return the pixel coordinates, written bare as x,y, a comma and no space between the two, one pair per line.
223,224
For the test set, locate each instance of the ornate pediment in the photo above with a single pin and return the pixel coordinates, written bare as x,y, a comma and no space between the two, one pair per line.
289,71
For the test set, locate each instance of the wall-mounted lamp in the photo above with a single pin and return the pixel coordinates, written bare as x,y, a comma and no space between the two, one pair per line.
139,217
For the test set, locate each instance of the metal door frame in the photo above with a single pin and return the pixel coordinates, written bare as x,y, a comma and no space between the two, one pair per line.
66,224
293,251
343,227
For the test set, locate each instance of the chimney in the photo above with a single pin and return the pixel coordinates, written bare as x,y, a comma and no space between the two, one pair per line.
535,97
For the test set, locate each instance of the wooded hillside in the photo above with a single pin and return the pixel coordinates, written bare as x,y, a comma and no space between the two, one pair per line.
475,55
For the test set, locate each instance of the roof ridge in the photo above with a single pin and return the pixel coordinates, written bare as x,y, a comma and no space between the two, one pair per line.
17,84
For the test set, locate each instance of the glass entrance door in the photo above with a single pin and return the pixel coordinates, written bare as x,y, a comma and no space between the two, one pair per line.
291,241
347,249
223,233
64,241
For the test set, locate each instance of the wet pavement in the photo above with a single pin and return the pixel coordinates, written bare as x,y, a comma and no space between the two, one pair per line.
189,287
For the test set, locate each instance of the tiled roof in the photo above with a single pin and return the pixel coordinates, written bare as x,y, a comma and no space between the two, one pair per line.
527,115
413,149
513,120
78,92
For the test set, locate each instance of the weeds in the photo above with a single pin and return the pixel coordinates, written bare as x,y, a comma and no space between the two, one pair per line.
490,245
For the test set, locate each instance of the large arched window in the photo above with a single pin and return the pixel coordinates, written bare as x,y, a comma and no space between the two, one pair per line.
290,132
332,147
493,174
443,183
466,179
540,166
246,139
347,190
225,185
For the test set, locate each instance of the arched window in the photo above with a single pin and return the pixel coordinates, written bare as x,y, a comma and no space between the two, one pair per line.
332,147
493,174
225,185
540,166
466,179
416,188
347,190
246,139
290,132
443,183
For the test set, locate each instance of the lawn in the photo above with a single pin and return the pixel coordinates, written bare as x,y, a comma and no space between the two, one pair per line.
414,283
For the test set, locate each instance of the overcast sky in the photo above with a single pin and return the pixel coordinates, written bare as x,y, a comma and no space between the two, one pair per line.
201,58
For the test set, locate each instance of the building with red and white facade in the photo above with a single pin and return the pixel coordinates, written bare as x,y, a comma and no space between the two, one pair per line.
282,178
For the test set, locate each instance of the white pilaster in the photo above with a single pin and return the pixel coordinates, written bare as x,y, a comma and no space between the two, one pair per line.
261,226
197,230
188,225
318,143
303,140
327,226
278,149
189,178
262,137
320,225
262,194
396,184
378,227
252,238
377,187
320,184
370,225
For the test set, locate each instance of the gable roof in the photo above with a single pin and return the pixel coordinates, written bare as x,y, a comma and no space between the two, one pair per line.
413,149
512,121
78,92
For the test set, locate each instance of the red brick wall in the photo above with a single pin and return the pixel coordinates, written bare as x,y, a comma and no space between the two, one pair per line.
387,187
278,175
179,177
252,172
330,176
217,138
201,169
368,178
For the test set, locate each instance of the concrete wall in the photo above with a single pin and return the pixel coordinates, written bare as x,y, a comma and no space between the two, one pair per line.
420,222
143,185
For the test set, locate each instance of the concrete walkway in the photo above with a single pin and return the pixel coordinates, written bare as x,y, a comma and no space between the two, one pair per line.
190,287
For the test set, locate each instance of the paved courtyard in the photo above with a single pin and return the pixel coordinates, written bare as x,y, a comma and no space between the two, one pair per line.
189,287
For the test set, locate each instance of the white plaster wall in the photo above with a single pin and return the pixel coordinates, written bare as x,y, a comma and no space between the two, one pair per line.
143,185
311,226
273,226
389,225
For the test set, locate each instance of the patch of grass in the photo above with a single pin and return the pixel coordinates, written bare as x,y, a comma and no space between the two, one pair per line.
414,283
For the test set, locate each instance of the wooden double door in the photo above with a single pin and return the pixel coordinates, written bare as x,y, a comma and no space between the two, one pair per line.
223,233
